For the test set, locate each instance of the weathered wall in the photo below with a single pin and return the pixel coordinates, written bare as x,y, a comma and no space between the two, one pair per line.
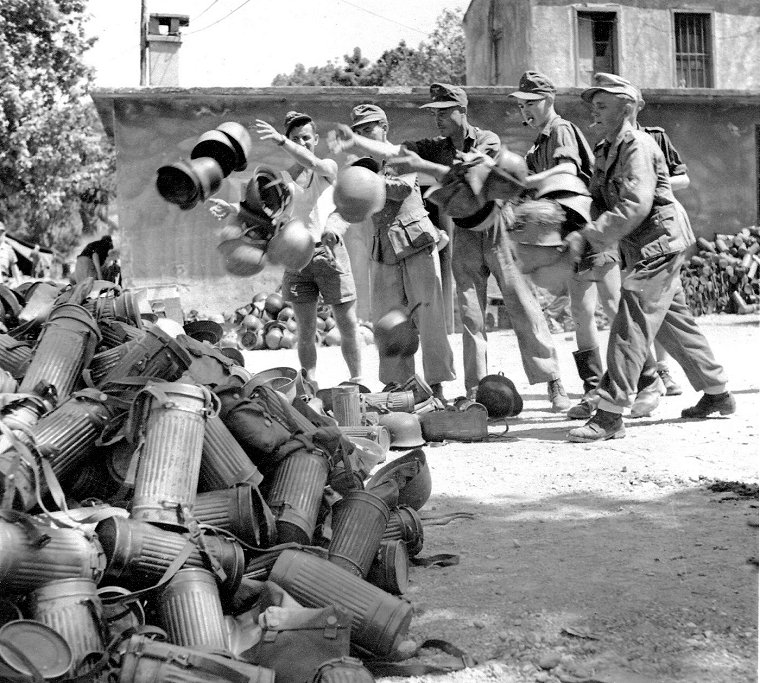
152,127
645,41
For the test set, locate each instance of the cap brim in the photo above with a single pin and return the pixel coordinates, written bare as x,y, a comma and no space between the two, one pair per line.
441,105
371,119
298,121
588,95
520,95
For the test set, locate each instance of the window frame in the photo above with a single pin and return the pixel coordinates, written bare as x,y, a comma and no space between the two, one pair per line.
711,37
615,11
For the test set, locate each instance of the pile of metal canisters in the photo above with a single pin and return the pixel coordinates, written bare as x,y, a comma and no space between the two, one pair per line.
152,490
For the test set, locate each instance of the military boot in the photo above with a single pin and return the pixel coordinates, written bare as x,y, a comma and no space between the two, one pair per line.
589,364
604,425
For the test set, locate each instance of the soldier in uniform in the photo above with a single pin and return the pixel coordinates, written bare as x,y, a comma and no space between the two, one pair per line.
481,245
405,267
631,183
562,148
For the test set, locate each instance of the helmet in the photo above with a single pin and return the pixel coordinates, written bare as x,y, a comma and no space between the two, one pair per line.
291,246
273,304
217,146
412,475
252,322
240,139
499,396
561,182
273,334
234,354
243,257
506,179
358,193
396,335
184,183
332,337
205,330
267,197
404,428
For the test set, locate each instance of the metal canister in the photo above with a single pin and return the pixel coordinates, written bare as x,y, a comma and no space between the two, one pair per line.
390,568
405,524
72,608
376,433
167,476
34,554
343,670
120,616
148,661
64,348
379,620
395,401
91,480
190,610
358,523
154,354
102,363
116,332
138,553
295,494
346,404
224,463
15,355
233,509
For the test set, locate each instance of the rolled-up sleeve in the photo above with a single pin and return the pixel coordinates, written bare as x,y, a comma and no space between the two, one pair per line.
635,182
398,188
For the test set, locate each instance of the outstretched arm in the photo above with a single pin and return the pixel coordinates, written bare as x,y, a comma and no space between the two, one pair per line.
343,138
302,156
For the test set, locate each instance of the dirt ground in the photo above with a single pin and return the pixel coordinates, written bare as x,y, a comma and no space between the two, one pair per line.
610,562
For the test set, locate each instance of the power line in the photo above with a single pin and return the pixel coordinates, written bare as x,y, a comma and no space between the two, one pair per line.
380,16
204,11
229,14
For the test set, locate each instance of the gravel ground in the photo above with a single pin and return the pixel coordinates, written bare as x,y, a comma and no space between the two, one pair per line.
622,562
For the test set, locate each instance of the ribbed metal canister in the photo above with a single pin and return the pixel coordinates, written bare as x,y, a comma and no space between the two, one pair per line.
190,610
231,509
376,433
72,608
15,355
65,347
390,568
116,333
138,553
68,434
378,620
149,661
167,476
395,401
405,524
358,523
102,363
224,462
295,495
29,560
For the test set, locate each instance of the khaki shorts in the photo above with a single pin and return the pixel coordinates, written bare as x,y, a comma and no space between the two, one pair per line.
331,277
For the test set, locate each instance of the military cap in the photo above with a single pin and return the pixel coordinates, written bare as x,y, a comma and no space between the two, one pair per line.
612,83
366,113
445,95
296,118
533,86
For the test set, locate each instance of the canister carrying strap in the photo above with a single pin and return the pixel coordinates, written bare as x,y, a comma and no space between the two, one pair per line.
386,668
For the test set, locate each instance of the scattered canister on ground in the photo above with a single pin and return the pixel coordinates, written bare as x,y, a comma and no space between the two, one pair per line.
346,404
358,523
379,621
72,608
190,610
390,568
404,523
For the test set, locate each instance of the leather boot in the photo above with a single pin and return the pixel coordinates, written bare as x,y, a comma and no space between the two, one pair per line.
589,364
647,399
604,425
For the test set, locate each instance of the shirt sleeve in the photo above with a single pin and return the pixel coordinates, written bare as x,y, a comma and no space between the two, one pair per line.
634,183
488,143
672,157
564,147
400,187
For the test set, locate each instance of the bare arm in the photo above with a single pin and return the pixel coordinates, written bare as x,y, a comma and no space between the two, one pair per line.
537,178
343,138
302,156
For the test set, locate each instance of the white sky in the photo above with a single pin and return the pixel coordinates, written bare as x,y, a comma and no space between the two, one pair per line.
248,42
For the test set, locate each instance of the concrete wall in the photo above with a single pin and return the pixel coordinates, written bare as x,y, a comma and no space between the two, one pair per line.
645,41
715,132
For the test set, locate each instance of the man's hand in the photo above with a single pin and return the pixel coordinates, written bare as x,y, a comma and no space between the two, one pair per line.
220,209
269,132
408,162
340,139
575,245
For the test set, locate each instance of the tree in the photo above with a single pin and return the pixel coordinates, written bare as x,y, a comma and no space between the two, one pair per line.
56,165
440,57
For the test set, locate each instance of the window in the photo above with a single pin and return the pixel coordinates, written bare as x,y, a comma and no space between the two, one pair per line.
693,50
597,50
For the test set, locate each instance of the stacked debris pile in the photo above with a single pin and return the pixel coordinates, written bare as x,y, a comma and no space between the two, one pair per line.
722,277
165,515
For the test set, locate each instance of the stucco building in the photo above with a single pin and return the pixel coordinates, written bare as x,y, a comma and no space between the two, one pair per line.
654,43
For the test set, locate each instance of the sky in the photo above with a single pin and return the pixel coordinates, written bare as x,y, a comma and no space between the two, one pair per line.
248,42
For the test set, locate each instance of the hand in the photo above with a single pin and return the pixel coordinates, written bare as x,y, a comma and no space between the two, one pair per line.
268,132
220,209
340,139
330,239
407,162
575,245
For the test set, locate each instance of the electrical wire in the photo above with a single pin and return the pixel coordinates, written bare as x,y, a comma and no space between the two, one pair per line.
229,14
380,16
195,18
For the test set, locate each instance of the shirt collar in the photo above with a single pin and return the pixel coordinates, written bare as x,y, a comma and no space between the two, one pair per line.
548,126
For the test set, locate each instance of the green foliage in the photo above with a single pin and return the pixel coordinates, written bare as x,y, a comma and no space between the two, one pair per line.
440,57
56,165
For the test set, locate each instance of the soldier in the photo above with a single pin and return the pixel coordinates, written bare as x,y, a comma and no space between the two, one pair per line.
405,267
631,183
481,245
562,148
8,261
